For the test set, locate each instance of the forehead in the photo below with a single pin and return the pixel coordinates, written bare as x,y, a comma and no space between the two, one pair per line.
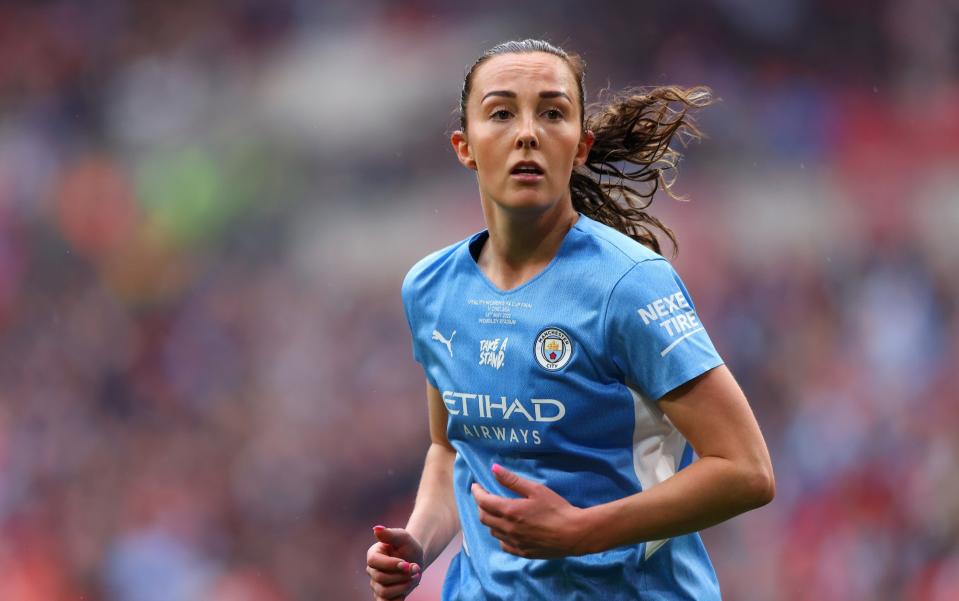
513,71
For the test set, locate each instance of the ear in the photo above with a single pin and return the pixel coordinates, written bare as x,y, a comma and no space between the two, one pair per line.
462,149
582,149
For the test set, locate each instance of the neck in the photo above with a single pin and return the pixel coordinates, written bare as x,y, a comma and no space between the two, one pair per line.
522,243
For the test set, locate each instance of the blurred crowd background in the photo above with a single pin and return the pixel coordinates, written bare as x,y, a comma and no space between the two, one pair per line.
207,208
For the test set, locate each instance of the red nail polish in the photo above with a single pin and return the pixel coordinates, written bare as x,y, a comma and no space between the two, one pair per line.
379,527
497,468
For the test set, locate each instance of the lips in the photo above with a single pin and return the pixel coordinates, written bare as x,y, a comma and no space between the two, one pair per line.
531,168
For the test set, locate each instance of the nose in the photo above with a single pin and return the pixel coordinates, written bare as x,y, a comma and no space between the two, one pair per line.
526,137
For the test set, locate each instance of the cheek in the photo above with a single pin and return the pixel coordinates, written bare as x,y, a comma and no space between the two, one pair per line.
490,150
565,153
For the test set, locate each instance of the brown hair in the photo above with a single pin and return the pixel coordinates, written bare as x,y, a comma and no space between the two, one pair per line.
633,130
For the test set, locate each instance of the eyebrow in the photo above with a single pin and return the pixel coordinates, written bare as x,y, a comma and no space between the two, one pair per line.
545,94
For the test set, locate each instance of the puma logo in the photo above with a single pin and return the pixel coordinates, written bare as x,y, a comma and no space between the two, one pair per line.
448,343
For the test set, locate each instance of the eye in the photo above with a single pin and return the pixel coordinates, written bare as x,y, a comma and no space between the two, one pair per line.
500,115
554,114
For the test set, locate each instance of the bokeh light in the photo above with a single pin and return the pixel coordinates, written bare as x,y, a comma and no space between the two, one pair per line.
207,208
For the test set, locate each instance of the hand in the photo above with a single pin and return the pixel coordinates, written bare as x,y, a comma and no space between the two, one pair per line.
541,524
394,563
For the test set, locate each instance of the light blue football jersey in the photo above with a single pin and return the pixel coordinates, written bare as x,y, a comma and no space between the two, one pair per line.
557,380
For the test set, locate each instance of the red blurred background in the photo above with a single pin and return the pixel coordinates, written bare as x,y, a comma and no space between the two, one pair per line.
206,210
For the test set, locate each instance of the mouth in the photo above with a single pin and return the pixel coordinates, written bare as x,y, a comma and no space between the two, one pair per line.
527,172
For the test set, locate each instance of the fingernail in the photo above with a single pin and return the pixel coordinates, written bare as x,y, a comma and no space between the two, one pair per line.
378,527
404,566
497,468
415,569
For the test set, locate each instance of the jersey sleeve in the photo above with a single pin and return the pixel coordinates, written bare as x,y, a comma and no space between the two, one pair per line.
409,308
653,332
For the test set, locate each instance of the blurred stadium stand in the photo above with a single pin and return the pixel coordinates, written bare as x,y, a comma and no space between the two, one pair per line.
206,210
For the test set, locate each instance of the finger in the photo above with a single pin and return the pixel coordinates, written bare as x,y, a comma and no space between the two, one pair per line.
387,578
396,537
380,548
394,564
491,521
500,528
489,503
502,536
391,565
511,549
387,563
512,481
394,590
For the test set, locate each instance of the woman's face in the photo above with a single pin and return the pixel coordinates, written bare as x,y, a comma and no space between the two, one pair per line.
523,133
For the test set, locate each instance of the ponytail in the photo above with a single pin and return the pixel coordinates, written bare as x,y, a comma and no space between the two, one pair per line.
633,136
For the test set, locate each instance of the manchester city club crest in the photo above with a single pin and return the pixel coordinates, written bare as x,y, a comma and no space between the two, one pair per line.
553,349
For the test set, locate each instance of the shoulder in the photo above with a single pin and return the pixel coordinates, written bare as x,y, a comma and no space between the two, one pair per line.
633,274
431,268
617,253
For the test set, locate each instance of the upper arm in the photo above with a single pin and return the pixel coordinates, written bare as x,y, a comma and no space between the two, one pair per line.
438,416
653,332
712,413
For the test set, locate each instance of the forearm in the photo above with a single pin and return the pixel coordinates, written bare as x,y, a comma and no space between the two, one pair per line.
707,492
435,521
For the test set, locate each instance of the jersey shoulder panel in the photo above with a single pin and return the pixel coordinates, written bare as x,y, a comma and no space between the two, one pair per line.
420,300
617,246
653,330
427,270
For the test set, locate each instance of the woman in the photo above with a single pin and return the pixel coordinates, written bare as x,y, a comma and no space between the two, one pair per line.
569,379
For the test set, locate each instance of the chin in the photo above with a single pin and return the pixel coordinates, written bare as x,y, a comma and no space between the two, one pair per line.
533,201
